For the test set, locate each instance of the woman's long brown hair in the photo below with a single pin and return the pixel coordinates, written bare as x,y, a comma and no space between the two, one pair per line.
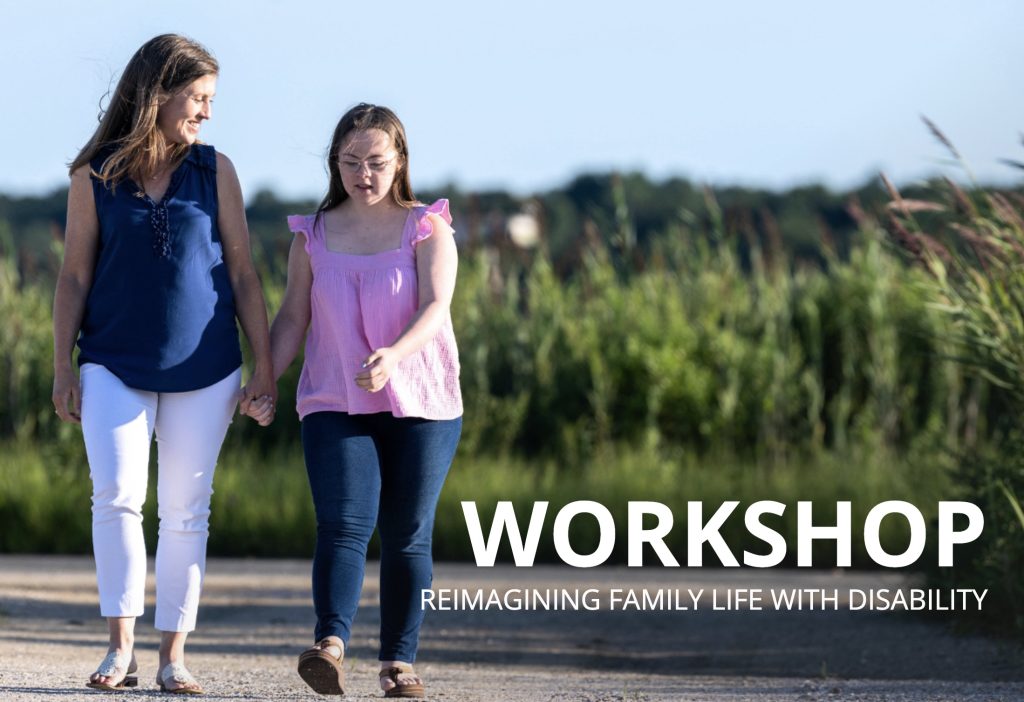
162,67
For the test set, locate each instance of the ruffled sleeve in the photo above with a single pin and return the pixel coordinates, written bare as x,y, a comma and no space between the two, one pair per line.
424,227
304,224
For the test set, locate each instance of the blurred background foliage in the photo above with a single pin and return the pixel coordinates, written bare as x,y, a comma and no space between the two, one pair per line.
628,339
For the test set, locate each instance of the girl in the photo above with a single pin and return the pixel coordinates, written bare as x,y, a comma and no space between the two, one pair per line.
156,268
371,276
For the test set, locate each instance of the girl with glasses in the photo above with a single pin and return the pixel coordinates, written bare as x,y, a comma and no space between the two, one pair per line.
370,279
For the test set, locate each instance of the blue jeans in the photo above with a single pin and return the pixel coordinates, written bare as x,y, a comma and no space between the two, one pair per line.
366,471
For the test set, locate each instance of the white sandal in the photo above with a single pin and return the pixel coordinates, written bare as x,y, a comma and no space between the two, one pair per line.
177,673
116,667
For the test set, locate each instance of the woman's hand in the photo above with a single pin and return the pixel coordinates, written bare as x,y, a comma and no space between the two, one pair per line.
67,395
377,369
261,390
81,247
262,409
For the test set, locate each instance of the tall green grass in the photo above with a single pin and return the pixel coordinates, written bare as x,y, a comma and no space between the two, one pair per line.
692,347
261,504
696,352
697,369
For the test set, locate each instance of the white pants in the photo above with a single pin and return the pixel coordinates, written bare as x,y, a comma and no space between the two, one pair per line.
118,423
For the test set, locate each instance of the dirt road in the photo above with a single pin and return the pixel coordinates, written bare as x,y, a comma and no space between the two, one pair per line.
256,616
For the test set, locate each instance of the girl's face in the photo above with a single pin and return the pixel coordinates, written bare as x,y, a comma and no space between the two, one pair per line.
368,163
180,117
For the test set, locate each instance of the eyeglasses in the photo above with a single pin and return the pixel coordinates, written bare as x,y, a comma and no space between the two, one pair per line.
376,165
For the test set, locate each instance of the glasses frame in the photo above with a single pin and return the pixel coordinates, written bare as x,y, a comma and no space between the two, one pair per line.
373,165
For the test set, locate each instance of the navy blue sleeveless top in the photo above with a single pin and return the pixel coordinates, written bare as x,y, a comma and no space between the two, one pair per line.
161,312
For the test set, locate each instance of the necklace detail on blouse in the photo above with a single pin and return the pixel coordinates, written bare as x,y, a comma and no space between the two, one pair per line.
159,223
158,218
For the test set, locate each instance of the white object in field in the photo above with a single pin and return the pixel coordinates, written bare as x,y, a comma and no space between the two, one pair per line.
523,230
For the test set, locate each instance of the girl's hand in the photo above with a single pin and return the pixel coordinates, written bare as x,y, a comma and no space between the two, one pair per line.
262,409
377,369
261,383
67,395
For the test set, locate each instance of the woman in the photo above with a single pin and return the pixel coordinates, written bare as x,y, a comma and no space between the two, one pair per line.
156,268
371,275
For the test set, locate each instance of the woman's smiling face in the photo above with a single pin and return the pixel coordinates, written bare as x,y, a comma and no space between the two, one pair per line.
179,118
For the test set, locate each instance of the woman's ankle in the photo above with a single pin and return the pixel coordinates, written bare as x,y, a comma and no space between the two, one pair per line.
121,645
121,634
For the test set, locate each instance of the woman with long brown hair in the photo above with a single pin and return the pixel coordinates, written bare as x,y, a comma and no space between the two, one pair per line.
156,268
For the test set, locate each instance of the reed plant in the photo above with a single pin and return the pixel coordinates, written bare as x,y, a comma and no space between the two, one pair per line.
970,241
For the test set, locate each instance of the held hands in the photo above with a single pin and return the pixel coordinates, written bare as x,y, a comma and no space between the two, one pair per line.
377,369
258,398
262,409
67,396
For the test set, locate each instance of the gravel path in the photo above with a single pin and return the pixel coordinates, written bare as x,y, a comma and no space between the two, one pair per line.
256,616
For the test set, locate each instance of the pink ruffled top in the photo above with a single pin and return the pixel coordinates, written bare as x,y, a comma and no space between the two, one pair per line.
360,303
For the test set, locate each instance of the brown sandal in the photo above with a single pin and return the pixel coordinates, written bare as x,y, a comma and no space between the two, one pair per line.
402,689
321,670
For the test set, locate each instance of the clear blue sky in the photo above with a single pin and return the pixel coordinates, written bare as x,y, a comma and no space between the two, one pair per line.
526,95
